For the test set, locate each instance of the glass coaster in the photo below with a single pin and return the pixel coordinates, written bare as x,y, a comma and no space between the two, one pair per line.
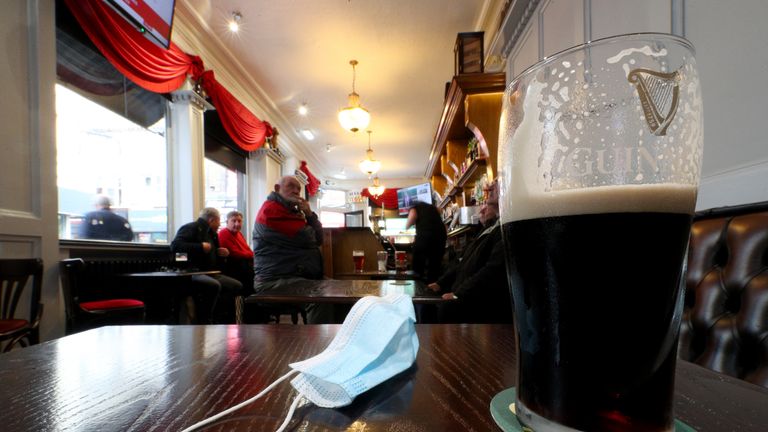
502,414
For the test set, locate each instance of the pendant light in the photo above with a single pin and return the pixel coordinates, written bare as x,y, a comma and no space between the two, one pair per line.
354,117
369,165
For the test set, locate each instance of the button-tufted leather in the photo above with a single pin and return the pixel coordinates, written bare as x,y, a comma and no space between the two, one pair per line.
725,322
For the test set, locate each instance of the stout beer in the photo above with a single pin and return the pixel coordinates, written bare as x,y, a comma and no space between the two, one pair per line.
595,303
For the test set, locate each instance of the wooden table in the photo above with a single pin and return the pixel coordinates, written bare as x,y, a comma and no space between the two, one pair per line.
343,291
377,275
158,378
175,289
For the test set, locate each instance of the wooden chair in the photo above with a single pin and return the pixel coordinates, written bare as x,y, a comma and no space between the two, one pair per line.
14,277
88,306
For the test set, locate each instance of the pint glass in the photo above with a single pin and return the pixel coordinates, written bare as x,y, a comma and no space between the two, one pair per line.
600,150
358,257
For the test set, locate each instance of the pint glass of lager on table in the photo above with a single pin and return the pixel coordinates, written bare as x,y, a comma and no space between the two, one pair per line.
600,150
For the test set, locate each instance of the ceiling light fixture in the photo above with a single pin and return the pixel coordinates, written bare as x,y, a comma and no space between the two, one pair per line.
328,147
234,23
308,134
354,117
369,165
376,189
303,110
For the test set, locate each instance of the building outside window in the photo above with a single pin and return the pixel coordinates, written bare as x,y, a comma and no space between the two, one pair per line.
102,153
223,189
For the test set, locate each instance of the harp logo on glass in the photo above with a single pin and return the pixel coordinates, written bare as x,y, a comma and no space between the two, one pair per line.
659,94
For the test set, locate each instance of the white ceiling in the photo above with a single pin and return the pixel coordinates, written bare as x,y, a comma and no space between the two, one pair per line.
298,51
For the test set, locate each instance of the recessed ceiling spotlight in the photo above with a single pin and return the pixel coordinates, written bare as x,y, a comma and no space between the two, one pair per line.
303,110
308,134
234,22
328,147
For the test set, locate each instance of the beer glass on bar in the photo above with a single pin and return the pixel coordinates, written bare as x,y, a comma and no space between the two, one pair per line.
600,151
358,256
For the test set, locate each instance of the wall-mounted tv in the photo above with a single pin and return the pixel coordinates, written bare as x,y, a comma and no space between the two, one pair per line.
407,196
154,18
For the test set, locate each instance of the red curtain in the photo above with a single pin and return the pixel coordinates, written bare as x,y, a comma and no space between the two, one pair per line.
245,129
163,71
314,183
148,65
388,198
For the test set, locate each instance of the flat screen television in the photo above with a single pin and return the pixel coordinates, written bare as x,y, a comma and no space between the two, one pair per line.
407,196
154,18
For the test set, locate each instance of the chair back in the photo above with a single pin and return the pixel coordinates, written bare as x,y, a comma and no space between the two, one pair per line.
15,275
71,273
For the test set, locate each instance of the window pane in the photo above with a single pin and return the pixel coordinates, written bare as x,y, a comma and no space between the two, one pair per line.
331,219
221,188
102,154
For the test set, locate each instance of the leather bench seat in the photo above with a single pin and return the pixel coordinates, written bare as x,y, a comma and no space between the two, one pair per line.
725,321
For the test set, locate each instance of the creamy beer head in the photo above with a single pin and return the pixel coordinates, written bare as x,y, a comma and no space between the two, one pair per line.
653,198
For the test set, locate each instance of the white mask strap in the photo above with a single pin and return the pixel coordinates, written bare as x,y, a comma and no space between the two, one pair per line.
288,417
215,417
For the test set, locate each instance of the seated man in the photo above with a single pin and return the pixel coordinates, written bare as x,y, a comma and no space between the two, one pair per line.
287,237
479,282
214,294
239,263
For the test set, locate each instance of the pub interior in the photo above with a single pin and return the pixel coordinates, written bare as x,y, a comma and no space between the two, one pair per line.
130,129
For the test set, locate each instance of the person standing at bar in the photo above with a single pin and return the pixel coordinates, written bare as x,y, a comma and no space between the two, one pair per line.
429,245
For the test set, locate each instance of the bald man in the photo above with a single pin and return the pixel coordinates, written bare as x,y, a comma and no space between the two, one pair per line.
287,237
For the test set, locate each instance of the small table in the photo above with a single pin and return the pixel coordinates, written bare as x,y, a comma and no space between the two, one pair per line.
175,282
377,275
343,291
158,378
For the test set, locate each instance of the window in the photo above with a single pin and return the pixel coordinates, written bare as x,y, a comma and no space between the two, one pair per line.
103,154
332,205
222,188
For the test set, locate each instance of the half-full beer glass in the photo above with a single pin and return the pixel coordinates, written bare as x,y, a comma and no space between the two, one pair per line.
600,150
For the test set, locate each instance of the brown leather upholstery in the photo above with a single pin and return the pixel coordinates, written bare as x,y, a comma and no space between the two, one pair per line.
725,323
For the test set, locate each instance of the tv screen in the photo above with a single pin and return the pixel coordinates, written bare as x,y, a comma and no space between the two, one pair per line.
154,18
407,196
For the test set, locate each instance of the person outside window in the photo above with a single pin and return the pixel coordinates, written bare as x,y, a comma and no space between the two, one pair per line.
104,224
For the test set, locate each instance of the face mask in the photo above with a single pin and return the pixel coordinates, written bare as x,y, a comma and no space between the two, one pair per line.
376,341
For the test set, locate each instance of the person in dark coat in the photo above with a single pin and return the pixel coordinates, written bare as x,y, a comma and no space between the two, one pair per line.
214,294
429,245
478,284
104,224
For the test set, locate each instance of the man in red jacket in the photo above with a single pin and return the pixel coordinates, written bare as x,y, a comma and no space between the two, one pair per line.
239,264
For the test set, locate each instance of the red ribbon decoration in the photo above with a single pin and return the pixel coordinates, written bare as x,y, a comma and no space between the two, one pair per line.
314,183
388,198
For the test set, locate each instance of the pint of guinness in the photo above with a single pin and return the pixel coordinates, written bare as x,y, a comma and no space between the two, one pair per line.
600,152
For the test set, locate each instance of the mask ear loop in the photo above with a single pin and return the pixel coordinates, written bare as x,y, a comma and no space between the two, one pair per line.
230,410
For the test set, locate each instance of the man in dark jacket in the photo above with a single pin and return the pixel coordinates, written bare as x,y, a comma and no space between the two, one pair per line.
214,293
104,224
287,237
479,282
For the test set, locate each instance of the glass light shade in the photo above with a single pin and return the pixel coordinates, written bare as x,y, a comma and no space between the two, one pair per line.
369,165
354,117
376,189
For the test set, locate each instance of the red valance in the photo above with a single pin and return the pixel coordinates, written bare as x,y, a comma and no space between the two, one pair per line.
388,198
314,183
245,129
163,71
148,65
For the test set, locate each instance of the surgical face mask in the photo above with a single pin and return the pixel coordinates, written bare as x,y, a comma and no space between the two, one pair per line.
376,341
